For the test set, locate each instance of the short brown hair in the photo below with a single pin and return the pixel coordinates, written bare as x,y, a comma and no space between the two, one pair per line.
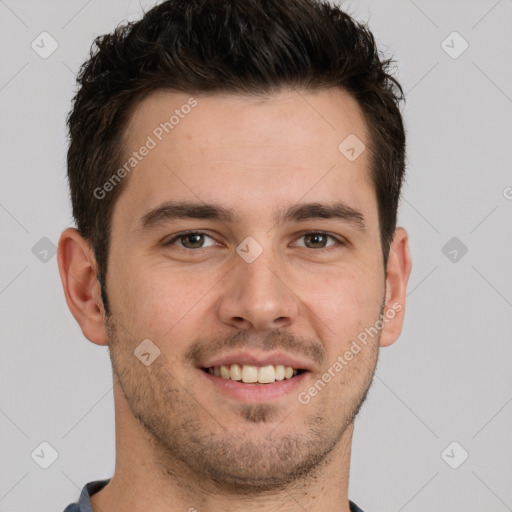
239,46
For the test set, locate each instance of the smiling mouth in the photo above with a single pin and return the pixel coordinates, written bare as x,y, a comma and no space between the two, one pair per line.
250,374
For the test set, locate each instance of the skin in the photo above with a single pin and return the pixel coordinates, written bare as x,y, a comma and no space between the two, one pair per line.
180,443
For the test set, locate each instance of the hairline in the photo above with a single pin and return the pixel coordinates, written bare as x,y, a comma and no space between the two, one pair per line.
256,95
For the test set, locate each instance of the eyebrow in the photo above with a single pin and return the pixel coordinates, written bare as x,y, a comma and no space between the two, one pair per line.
172,210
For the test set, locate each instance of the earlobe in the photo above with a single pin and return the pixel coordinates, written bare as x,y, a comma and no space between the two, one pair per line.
78,270
398,272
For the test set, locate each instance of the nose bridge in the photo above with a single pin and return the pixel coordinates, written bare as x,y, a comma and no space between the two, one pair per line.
259,276
256,258
256,296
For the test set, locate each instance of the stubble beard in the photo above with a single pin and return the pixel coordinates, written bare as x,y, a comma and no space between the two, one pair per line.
269,453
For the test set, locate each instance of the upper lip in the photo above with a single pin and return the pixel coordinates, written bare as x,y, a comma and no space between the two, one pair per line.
255,359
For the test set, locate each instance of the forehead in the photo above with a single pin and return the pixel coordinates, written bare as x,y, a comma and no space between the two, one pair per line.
248,152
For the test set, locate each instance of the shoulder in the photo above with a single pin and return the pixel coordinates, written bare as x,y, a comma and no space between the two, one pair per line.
84,502
72,508
353,507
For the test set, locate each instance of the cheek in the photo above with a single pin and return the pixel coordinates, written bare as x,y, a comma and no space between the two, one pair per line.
158,300
347,299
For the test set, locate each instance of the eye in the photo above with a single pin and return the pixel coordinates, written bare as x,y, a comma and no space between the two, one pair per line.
191,240
318,240
197,240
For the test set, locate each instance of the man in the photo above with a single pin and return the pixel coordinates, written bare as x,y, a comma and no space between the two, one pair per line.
235,169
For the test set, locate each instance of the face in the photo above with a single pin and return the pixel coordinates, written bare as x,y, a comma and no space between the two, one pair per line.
283,267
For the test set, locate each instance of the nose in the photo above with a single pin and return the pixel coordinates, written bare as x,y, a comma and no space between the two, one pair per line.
256,296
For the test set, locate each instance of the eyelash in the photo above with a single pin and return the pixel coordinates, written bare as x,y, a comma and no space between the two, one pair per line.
339,241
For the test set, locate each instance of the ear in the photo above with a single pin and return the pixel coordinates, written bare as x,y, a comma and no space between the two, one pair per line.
78,271
397,276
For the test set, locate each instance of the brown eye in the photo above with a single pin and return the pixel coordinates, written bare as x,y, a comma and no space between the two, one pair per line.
191,240
315,240
318,240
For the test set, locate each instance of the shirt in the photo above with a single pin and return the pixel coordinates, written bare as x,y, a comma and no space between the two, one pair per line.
84,502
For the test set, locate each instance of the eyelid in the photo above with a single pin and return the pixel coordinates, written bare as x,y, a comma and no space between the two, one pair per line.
338,238
177,236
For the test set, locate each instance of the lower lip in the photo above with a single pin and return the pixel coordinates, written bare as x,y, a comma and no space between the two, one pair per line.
256,393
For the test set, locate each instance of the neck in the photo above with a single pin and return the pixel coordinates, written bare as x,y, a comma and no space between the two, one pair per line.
145,480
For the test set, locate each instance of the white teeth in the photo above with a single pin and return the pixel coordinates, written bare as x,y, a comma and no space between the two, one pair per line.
250,374
235,372
266,374
224,372
280,372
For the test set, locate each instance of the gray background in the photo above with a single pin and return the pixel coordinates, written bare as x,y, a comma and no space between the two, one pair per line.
447,378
